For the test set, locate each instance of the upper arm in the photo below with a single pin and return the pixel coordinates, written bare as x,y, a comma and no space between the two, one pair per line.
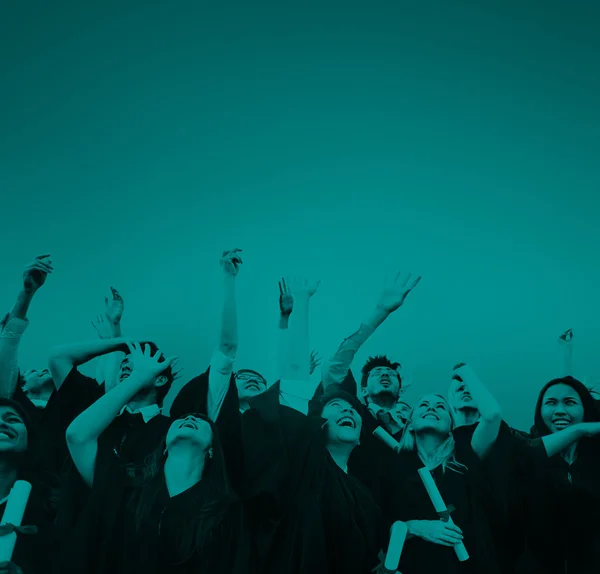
60,366
84,457
485,436
219,377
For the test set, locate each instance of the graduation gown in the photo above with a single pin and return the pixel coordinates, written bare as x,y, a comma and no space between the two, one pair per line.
106,540
562,506
467,493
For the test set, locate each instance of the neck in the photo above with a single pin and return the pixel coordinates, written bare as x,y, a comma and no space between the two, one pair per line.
384,400
244,405
8,474
143,399
428,443
41,393
466,416
183,469
569,453
340,453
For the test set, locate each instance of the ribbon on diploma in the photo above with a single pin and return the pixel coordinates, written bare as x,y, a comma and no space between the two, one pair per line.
10,528
445,514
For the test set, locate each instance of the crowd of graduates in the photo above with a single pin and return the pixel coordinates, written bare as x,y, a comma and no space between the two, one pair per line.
248,476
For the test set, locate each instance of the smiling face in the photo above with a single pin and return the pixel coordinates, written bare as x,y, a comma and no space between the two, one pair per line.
13,432
382,382
249,384
403,411
191,430
561,407
343,422
36,380
431,413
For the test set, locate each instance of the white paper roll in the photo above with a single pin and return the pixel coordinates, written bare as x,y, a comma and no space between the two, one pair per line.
386,438
397,537
13,514
440,506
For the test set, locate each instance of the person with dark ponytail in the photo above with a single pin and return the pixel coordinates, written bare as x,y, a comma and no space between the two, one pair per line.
174,514
563,470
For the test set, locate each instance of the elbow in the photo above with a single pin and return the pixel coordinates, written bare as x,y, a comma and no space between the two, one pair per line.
228,349
492,415
74,436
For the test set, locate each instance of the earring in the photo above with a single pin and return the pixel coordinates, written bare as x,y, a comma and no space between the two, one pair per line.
165,452
210,453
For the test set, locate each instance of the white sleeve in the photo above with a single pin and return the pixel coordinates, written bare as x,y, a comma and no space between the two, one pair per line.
219,375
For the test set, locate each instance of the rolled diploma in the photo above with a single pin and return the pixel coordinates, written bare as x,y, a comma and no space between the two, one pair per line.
440,506
386,438
13,514
397,538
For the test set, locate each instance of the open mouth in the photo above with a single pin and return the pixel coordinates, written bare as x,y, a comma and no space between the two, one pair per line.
561,423
7,434
346,422
431,416
252,386
189,425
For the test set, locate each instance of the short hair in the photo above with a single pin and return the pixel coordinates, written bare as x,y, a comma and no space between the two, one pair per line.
378,361
163,390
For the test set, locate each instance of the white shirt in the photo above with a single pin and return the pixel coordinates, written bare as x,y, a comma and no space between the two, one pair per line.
10,338
148,412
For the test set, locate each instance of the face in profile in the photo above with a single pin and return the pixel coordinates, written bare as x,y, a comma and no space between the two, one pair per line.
561,407
431,414
249,384
382,381
191,430
344,424
403,411
36,380
13,432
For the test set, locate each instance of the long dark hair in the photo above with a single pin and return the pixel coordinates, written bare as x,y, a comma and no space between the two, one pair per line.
207,505
539,428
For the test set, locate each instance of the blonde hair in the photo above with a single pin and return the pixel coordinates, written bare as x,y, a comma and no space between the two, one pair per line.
444,454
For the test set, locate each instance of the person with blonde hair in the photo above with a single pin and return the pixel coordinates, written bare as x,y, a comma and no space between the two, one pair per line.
428,441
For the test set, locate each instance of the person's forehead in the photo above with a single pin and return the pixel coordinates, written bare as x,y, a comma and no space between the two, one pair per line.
431,399
6,410
561,391
338,402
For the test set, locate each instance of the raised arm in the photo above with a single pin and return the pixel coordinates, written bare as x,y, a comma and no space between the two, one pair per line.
83,433
14,324
566,341
391,299
490,412
221,365
108,326
556,442
64,358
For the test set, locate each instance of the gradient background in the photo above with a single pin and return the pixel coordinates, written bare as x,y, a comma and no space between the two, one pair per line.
341,141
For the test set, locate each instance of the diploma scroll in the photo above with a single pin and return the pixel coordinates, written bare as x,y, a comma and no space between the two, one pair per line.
13,514
386,438
397,537
440,508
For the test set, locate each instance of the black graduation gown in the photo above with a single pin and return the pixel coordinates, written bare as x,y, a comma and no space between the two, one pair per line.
322,520
562,510
372,462
466,492
309,517
105,540
504,475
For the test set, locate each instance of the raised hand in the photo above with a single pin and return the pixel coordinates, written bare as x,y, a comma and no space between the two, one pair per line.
114,307
301,286
566,337
231,261
396,290
103,327
36,272
148,366
286,299
315,361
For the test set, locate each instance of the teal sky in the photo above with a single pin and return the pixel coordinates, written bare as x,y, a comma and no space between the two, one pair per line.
457,140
